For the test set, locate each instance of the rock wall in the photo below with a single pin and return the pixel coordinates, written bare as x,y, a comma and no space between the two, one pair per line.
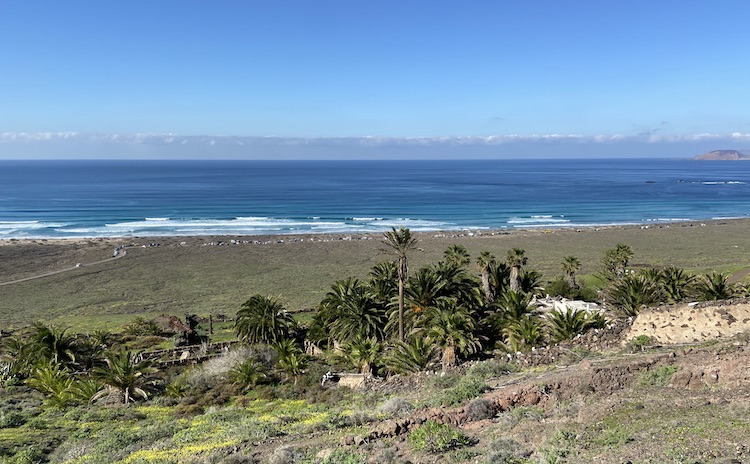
692,322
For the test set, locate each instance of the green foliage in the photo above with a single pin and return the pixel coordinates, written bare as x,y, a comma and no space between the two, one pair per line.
639,343
435,437
125,374
54,343
561,287
247,374
410,357
633,292
451,327
350,310
566,324
491,368
558,448
523,333
658,376
364,354
570,265
615,261
515,259
468,387
400,242
142,327
716,286
344,456
26,456
676,284
263,320
457,255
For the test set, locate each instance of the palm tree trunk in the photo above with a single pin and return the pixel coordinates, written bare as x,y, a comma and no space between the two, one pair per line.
488,297
572,280
400,310
449,357
515,282
402,270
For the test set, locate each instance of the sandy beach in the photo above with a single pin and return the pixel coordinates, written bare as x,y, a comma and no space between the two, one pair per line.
202,274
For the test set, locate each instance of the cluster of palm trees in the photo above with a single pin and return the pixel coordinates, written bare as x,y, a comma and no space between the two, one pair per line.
73,369
404,322
633,291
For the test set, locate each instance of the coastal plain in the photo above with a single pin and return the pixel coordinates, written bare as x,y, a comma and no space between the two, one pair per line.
77,281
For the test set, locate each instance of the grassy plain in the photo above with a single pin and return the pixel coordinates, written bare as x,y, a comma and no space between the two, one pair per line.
206,279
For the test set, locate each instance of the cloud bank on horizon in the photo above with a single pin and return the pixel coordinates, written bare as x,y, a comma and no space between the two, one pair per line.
73,145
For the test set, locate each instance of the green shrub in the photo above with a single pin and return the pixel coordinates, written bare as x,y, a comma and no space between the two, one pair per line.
435,437
491,368
11,419
467,388
639,343
560,287
344,456
658,376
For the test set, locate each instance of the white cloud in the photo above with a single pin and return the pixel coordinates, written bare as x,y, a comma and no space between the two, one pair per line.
148,138
22,145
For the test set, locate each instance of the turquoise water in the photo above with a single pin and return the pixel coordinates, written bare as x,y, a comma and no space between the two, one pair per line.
148,198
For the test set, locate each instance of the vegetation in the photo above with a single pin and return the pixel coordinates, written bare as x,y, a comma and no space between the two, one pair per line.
65,385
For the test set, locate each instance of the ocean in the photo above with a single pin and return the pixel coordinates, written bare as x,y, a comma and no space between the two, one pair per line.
56,199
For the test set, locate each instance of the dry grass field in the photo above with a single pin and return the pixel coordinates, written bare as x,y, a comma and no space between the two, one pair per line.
189,274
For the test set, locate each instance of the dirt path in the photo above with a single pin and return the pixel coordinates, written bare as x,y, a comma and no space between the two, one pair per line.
740,275
67,269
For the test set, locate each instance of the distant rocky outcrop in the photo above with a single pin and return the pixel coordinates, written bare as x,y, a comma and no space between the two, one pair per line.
723,155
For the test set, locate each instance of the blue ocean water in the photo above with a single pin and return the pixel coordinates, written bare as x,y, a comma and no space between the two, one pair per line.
51,199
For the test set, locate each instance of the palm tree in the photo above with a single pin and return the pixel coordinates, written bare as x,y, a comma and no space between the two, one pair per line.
451,327
516,259
633,292
457,255
125,374
423,289
400,241
499,278
349,310
363,353
530,281
567,323
616,260
676,284
486,261
293,364
570,265
53,343
524,333
516,305
384,281
53,380
410,357
247,374
716,286
263,320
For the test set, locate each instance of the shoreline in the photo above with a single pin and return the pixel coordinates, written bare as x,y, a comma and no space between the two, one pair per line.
364,235
213,274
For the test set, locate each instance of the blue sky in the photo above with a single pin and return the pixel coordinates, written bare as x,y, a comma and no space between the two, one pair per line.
373,79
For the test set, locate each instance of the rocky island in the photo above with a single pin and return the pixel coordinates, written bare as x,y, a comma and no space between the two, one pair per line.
723,155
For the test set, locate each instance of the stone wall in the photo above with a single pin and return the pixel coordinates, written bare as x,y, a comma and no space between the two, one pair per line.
692,322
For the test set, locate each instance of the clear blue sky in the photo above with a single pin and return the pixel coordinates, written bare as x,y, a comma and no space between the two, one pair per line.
638,70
